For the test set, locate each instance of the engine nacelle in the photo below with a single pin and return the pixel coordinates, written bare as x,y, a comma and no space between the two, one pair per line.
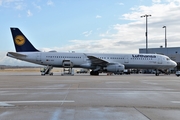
87,65
115,68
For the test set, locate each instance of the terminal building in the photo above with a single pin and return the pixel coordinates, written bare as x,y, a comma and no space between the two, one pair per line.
171,52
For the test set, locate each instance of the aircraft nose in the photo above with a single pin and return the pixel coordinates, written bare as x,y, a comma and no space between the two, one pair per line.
174,63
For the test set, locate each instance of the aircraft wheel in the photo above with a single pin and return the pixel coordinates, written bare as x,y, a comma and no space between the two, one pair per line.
94,73
157,74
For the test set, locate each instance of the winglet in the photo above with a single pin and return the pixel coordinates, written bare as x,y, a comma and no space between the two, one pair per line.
22,44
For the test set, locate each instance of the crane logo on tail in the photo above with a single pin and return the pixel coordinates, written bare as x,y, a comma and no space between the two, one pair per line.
19,40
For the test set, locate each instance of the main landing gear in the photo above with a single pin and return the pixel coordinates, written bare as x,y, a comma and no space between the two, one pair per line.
157,73
94,73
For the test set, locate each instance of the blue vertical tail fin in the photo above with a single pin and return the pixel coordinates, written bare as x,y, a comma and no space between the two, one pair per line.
21,43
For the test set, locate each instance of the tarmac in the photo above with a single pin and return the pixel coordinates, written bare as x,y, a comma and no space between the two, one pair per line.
30,96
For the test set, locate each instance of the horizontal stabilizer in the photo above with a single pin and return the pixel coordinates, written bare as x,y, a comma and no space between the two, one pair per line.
14,54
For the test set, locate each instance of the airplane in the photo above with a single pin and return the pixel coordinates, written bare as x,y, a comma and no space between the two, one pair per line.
97,62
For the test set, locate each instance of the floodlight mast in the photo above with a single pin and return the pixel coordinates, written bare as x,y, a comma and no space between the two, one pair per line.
165,37
146,34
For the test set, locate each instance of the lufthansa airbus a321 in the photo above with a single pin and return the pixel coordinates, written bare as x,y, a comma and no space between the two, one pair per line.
97,62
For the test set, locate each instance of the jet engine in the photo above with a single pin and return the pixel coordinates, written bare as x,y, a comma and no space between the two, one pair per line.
115,67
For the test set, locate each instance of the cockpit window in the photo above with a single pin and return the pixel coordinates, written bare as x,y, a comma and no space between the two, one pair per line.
167,58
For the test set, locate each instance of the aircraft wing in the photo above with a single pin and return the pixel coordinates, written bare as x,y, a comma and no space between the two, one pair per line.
15,54
97,61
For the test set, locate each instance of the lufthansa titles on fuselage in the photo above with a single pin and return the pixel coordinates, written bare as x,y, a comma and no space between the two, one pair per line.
143,56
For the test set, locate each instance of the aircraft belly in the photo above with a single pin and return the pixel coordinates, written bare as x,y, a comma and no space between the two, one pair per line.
140,66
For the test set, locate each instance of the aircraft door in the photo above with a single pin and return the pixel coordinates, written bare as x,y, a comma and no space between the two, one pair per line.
126,59
159,60
86,59
67,63
38,57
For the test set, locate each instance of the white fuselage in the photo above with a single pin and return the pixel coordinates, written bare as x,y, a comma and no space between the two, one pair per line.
80,60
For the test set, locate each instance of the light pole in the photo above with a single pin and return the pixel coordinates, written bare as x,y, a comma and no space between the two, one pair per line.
165,37
146,34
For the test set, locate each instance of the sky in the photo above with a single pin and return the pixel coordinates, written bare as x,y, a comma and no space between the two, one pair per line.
89,26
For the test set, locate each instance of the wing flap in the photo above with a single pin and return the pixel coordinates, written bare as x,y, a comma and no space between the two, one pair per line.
97,61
